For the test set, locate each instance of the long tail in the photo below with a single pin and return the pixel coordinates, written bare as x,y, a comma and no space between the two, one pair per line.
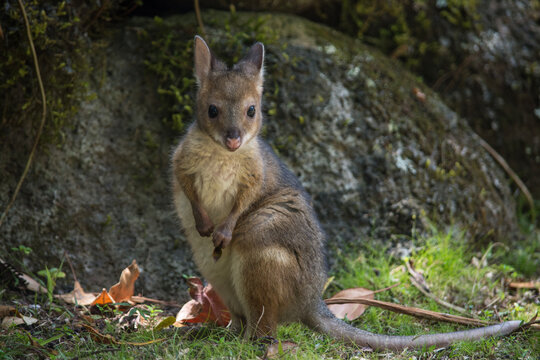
325,322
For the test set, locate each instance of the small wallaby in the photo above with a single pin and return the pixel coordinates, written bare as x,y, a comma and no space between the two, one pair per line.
265,257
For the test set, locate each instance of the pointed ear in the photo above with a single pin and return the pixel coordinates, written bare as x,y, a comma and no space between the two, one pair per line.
252,63
203,59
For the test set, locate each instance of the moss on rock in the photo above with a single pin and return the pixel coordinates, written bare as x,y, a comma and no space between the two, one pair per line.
379,159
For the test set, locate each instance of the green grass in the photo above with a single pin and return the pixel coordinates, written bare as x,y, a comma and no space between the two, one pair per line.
447,263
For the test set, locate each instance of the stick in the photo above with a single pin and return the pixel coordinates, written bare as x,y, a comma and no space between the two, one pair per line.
43,113
426,314
199,18
421,313
509,171
425,290
70,266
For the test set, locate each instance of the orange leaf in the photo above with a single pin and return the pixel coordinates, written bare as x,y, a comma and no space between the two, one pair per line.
351,311
77,296
206,305
125,288
103,298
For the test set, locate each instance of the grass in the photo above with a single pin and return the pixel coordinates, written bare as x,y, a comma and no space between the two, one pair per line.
454,272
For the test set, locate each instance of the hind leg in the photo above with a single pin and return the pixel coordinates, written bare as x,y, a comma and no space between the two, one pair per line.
278,262
266,287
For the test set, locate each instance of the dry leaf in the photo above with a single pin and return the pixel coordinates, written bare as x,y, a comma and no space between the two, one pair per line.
124,289
350,310
103,298
206,305
280,348
77,296
6,310
11,320
33,285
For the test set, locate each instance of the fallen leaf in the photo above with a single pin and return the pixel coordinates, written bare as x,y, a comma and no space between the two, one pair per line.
11,321
6,310
28,320
206,305
77,296
350,310
280,348
103,299
33,285
165,323
124,289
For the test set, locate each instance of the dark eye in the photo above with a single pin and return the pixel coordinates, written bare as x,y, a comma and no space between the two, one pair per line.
251,111
212,111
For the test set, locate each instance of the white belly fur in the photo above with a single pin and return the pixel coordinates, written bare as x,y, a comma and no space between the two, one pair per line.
216,186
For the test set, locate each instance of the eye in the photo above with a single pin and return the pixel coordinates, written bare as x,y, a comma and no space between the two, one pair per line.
251,111
212,111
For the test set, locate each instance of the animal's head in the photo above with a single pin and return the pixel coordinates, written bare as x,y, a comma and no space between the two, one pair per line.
229,100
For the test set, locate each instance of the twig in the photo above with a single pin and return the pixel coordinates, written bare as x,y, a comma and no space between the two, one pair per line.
97,14
43,114
509,171
525,285
425,290
199,18
426,314
141,299
421,313
441,302
70,266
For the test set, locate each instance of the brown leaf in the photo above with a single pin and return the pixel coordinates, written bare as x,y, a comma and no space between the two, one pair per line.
280,348
103,299
77,296
124,289
206,305
6,310
33,285
11,320
350,310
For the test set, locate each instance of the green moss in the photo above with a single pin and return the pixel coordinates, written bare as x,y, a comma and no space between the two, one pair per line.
171,57
406,30
61,32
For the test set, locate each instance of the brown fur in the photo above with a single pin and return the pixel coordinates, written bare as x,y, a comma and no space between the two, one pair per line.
265,235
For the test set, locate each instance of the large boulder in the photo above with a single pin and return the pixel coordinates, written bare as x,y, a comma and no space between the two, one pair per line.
380,153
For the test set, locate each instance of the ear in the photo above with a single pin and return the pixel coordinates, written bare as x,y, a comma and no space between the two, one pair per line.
252,63
203,59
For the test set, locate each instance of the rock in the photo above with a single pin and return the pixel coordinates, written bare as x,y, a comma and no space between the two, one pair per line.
379,162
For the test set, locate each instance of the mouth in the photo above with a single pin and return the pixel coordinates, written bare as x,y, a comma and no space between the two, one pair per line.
233,144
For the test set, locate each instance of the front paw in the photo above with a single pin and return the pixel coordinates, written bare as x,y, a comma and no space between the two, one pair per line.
203,224
222,237
205,228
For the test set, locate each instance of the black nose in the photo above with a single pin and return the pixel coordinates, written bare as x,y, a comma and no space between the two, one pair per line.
233,133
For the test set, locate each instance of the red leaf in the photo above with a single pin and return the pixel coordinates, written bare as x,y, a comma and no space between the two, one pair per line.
206,305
